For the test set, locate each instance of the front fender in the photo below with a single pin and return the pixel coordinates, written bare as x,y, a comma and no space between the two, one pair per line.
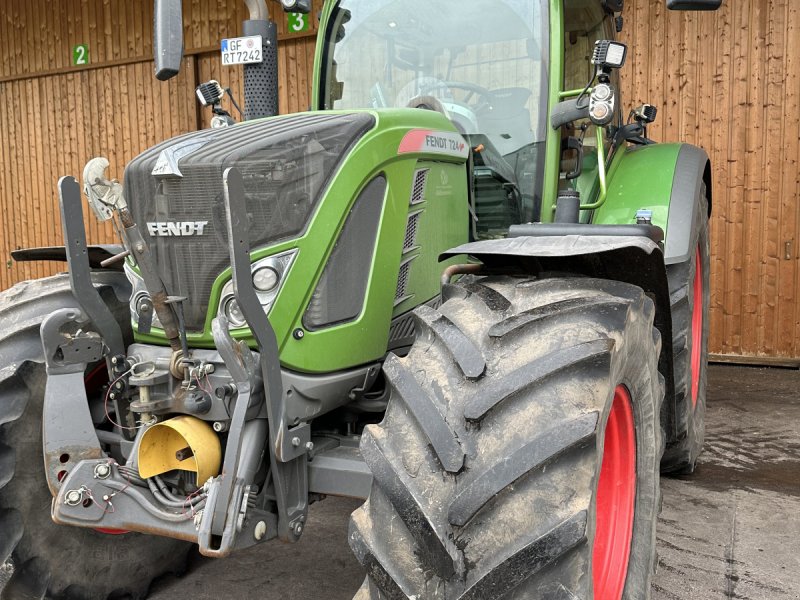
663,178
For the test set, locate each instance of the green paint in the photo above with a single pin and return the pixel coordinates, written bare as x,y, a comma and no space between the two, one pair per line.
80,55
553,148
640,178
298,22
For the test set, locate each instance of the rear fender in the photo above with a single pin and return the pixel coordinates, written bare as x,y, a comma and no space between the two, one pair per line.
633,259
665,179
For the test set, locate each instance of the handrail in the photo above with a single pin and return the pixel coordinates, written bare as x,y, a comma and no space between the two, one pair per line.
601,171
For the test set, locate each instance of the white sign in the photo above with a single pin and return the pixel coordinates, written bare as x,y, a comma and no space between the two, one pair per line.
427,141
242,50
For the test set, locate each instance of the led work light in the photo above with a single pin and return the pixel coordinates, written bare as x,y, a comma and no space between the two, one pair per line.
609,55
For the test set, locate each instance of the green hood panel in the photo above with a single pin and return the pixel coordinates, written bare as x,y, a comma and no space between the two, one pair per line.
402,144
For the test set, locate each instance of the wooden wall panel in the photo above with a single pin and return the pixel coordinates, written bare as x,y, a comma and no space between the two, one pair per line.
53,125
54,117
729,81
37,36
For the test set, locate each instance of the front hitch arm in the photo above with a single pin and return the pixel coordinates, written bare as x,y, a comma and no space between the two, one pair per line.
80,277
288,446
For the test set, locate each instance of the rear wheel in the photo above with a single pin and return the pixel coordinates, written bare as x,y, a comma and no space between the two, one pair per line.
689,297
519,454
51,560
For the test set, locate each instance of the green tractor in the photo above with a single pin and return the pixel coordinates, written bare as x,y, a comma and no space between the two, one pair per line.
465,287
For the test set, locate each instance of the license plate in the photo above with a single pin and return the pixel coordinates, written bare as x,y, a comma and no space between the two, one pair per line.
242,50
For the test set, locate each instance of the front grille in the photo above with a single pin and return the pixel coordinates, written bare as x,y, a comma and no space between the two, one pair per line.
286,164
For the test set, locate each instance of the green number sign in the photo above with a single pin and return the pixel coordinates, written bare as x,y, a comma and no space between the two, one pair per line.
80,55
298,22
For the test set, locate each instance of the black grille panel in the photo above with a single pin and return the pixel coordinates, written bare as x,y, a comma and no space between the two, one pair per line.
402,281
286,164
411,232
418,189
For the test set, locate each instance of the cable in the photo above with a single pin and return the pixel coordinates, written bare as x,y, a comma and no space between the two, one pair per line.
111,387
164,489
233,101
583,93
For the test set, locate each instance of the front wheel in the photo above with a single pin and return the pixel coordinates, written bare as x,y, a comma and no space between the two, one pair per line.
519,454
54,561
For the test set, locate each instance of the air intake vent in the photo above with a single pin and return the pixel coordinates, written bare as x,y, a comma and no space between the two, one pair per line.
411,231
402,332
402,281
418,192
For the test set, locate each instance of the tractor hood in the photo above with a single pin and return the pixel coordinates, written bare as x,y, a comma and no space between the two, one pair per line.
175,192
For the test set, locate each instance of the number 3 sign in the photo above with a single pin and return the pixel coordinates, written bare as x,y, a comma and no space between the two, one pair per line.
298,22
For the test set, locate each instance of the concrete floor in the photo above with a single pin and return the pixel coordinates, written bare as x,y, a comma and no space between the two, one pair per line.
730,531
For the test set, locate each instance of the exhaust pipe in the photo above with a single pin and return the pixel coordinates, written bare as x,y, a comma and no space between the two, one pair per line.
258,10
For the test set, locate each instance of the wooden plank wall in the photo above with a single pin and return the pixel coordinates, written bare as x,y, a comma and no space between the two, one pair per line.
54,117
728,81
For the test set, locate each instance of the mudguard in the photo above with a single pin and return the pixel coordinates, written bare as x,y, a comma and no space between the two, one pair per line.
665,179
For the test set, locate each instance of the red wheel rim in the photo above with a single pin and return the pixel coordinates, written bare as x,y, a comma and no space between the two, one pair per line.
697,325
616,494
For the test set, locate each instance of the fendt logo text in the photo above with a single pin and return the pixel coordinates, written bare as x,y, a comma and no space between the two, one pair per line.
180,228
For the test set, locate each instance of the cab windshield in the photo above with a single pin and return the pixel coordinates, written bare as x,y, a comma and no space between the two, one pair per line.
480,62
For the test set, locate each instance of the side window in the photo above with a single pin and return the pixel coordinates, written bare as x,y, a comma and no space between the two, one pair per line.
584,24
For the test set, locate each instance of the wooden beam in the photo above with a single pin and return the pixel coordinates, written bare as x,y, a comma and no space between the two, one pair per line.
755,361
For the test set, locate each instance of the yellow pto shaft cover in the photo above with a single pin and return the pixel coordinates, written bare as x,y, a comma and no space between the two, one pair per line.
186,443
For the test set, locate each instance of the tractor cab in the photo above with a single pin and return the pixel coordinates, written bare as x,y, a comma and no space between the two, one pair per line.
482,65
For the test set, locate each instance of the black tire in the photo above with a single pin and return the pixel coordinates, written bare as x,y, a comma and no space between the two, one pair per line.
685,446
486,463
48,559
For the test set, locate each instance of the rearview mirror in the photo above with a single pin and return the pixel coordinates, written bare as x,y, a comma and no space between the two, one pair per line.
694,4
167,38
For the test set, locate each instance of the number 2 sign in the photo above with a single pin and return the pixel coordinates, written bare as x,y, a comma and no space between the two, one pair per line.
80,55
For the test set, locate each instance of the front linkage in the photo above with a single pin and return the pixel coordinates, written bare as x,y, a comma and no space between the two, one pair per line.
224,512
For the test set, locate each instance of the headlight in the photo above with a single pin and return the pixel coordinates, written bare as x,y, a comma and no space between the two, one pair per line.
139,298
234,313
265,279
268,277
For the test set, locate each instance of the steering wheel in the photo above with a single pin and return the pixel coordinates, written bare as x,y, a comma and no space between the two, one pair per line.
435,87
471,89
